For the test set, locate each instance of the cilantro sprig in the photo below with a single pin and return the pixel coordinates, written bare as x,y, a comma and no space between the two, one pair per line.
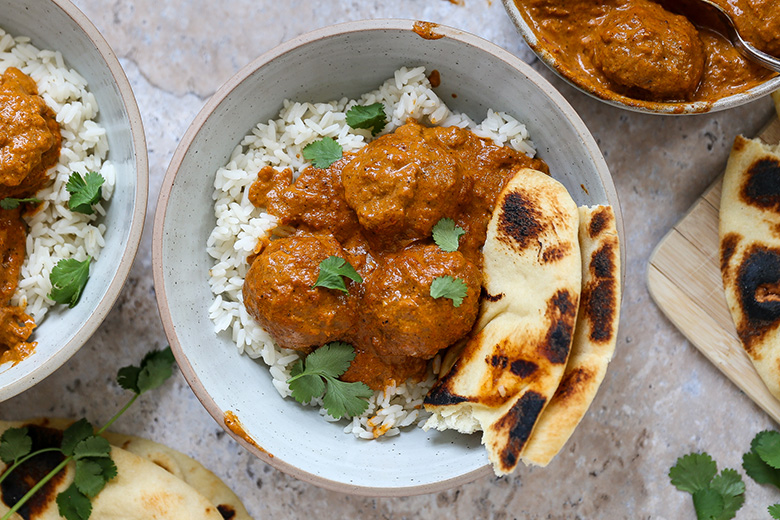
371,117
81,444
318,374
68,279
84,191
333,270
323,153
448,287
13,203
762,462
715,496
447,235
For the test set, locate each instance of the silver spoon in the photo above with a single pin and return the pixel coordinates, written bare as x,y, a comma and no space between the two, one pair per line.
712,16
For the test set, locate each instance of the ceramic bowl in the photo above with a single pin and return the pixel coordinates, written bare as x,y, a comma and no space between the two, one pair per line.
636,105
342,60
59,25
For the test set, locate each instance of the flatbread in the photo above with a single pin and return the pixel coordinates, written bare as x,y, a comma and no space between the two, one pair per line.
594,336
505,374
750,252
140,454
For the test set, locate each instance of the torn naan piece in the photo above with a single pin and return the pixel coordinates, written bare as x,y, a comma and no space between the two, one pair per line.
501,379
206,490
750,252
594,336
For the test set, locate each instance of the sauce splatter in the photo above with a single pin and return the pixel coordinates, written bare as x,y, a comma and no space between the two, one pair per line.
426,30
235,426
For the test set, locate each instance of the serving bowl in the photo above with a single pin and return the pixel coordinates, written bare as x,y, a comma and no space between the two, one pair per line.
59,25
637,105
342,60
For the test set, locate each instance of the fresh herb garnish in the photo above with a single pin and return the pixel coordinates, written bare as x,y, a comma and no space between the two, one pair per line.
68,279
83,445
332,269
319,374
447,235
774,511
715,496
323,153
448,287
761,462
84,191
370,117
12,203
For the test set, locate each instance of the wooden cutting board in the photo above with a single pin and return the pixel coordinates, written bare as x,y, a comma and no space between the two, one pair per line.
684,280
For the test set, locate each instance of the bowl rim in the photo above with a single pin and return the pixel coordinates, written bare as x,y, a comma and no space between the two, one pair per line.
635,105
186,143
28,379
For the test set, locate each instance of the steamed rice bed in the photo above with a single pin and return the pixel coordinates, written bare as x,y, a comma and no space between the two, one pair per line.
239,224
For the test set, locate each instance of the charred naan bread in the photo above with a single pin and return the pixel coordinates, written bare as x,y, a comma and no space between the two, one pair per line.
153,482
594,336
507,371
750,252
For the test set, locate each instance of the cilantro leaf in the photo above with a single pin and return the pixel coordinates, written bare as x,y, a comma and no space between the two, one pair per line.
344,398
331,271
84,191
328,363
759,470
693,472
14,444
68,279
127,378
323,153
369,116
74,434
449,287
774,510
732,489
156,367
767,446
12,203
89,478
708,504
73,504
93,446
446,234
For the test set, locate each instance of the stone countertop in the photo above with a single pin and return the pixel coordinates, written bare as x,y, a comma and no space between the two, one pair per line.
661,398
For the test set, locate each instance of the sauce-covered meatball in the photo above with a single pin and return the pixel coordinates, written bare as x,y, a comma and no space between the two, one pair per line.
279,292
408,321
643,46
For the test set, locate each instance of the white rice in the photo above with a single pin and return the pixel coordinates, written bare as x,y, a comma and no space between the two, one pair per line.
55,233
239,224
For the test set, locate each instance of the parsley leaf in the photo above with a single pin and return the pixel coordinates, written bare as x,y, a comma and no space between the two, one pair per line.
72,504
331,271
774,510
369,116
319,373
68,279
12,203
155,368
74,434
14,444
323,153
84,191
449,287
446,234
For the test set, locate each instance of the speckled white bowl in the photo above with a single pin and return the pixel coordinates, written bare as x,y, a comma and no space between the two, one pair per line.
674,109
59,25
343,60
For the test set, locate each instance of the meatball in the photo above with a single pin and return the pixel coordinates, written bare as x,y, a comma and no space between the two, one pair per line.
650,52
279,293
407,320
401,184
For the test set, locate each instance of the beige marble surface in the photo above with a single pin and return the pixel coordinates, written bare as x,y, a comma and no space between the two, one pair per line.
661,398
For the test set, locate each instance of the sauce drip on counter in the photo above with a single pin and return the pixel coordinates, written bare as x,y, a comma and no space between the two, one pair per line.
30,142
376,209
628,50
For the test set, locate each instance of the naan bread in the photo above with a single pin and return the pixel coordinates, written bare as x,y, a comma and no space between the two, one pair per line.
508,370
188,481
750,252
594,336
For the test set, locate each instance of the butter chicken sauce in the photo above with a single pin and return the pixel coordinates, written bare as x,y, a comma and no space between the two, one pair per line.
30,142
376,209
636,49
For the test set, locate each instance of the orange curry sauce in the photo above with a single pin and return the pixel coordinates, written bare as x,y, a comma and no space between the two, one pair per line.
376,209
30,142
